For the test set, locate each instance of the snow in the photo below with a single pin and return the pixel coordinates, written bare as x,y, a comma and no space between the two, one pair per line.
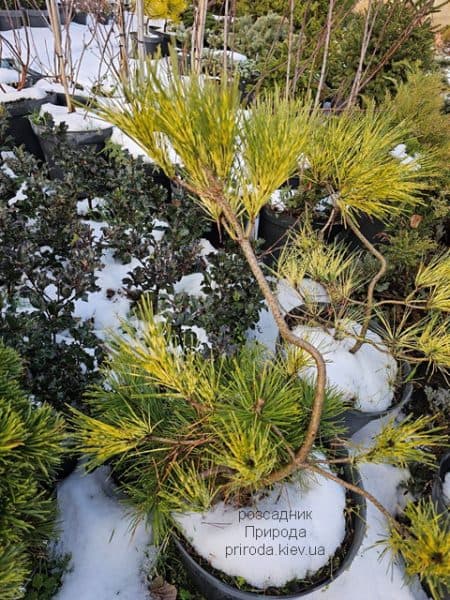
190,284
108,554
206,248
200,333
83,207
221,534
367,377
400,153
279,198
19,195
81,120
9,76
123,140
107,312
446,488
266,330
25,94
235,56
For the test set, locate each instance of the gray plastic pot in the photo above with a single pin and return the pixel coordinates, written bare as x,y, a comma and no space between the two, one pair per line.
10,19
354,419
437,492
213,588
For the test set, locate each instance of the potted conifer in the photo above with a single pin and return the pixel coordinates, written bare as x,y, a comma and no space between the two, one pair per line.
30,452
211,425
361,353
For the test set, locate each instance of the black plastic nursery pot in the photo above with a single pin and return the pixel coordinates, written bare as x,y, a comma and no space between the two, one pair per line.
354,420
156,43
275,227
95,138
80,18
212,587
41,18
10,19
437,492
19,127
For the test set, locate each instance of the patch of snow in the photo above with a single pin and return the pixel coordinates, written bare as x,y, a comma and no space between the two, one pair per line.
308,291
17,95
366,378
206,248
83,208
219,535
234,56
8,171
266,330
159,229
399,151
200,332
278,200
19,196
121,139
109,306
81,120
190,284
9,75
108,554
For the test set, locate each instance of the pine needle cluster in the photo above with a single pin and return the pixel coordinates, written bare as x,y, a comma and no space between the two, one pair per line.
332,265
402,443
350,156
184,430
425,546
30,450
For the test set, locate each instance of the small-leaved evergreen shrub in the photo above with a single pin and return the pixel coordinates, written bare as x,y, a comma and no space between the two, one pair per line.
48,262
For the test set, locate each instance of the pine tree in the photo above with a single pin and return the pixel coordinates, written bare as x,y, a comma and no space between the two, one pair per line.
30,450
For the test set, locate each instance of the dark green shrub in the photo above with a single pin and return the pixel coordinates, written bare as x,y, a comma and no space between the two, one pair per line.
392,19
48,259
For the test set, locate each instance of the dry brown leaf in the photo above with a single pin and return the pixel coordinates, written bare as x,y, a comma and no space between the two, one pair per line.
415,221
162,590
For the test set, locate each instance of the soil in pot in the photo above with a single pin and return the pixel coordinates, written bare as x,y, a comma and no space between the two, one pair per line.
19,127
10,19
213,584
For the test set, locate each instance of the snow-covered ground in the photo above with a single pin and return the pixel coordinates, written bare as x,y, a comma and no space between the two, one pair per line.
109,553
